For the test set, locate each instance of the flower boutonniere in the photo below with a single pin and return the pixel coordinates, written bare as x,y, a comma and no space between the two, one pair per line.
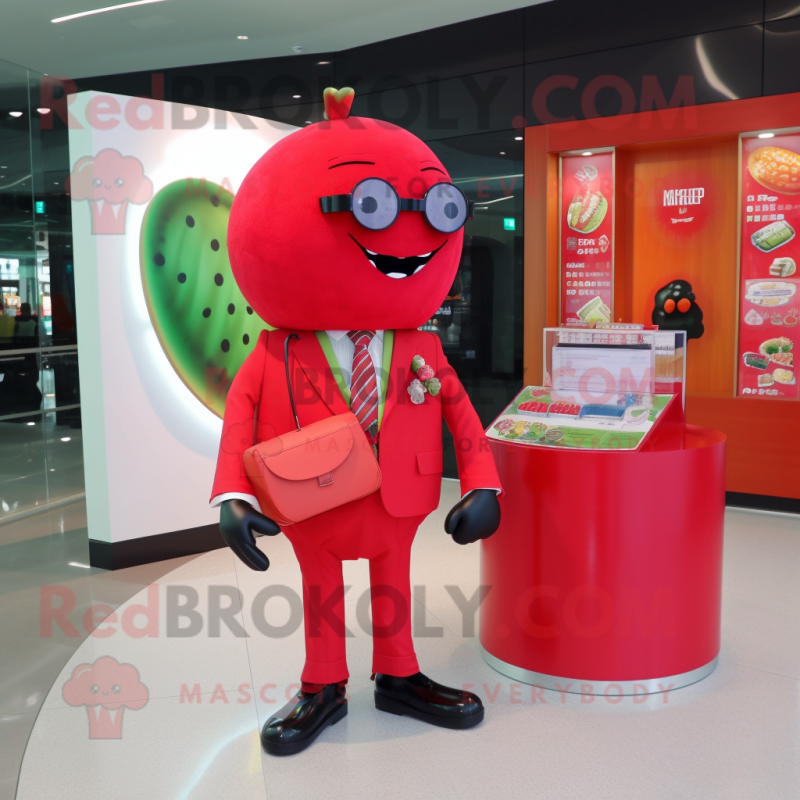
426,381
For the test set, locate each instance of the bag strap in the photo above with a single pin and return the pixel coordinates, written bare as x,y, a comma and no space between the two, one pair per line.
257,406
288,381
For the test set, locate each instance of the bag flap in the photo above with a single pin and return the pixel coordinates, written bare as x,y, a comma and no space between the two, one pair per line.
315,450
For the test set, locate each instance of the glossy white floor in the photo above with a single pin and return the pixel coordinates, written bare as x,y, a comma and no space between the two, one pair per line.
734,735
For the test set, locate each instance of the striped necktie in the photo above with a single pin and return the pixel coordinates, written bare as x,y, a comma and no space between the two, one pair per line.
364,384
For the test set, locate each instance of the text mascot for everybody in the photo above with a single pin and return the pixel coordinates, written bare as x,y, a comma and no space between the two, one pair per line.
348,234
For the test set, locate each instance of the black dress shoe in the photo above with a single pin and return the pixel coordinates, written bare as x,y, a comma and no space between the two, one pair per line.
304,718
419,697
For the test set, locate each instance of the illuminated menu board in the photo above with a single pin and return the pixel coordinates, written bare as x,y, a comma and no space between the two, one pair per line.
769,306
586,239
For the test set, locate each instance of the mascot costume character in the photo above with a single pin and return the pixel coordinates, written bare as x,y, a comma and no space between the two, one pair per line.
347,234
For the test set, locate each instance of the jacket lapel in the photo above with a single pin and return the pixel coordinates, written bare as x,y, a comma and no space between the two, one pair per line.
400,372
308,354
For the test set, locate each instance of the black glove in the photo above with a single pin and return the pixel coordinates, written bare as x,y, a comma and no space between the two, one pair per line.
474,517
237,522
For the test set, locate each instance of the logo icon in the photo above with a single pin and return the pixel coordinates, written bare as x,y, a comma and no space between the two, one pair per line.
684,204
683,198
109,181
106,688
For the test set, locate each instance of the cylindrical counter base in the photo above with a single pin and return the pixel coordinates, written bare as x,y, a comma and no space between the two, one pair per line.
610,689
606,570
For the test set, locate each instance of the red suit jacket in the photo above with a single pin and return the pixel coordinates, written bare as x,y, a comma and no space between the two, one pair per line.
410,437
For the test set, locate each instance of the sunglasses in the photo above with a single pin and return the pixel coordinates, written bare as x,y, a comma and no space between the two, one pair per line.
376,205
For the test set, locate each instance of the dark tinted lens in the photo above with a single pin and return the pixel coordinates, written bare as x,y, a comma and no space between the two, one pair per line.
375,204
446,207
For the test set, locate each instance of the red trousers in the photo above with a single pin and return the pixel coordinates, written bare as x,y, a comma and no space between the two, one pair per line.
363,529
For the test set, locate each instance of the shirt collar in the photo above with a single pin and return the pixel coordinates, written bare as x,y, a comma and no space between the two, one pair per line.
337,335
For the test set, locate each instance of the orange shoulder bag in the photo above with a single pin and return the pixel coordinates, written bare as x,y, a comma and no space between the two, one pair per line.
312,469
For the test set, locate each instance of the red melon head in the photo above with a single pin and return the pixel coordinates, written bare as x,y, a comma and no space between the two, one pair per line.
304,260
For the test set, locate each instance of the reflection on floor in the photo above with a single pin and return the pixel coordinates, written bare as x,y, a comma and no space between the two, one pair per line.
41,461
48,549
189,724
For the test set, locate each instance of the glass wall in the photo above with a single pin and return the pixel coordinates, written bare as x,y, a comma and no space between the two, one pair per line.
41,455
480,322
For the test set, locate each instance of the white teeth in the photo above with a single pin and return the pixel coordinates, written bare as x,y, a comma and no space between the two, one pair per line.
398,275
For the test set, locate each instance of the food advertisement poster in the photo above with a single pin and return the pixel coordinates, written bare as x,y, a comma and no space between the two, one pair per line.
587,247
769,309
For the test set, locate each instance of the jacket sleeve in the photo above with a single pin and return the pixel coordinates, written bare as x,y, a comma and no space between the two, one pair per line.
238,426
476,468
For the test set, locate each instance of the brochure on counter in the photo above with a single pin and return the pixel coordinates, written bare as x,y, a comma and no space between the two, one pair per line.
535,417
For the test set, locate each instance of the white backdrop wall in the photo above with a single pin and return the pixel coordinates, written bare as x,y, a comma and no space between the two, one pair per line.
149,444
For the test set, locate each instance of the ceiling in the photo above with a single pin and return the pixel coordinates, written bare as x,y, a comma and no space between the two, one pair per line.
176,33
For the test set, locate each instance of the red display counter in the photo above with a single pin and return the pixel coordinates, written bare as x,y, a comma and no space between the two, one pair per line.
606,571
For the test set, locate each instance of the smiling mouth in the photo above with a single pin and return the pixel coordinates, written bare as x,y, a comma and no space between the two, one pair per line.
395,266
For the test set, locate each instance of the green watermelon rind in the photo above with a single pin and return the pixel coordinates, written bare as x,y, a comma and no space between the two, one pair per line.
190,341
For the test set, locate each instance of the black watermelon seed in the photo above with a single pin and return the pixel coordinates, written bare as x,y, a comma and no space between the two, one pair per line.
214,200
214,245
218,279
206,312
159,259
246,338
231,308
226,345
182,277
249,310
190,221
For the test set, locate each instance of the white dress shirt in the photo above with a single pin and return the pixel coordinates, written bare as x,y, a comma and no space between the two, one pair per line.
344,350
